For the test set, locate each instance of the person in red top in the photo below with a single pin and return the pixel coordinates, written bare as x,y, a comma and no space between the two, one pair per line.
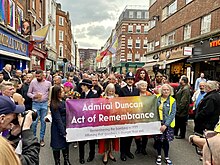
141,141
106,146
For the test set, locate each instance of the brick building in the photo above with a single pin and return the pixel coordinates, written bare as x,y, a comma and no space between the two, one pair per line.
132,32
181,37
87,58
63,39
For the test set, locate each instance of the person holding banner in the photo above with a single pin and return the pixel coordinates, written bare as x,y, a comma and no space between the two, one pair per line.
141,141
108,145
87,92
58,126
128,90
167,109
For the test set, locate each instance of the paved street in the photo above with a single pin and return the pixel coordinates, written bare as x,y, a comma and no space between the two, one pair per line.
181,153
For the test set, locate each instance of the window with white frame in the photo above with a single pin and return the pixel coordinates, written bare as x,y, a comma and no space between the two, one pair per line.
146,15
33,4
206,24
61,51
61,21
168,39
145,43
129,43
138,14
60,35
188,1
152,24
152,2
169,10
138,43
187,32
131,14
146,28
138,29
40,9
150,46
137,57
129,57
130,28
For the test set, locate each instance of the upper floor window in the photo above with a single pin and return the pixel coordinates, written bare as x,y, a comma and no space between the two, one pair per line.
129,43
145,43
138,43
138,29
146,15
40,9
169,10
137,57
206,24
61,51
60,35
138,14
129,57
146,28
187,31
131,14
168,39
152,2
150,46
130,28
152,24
61,21
33,4
188,1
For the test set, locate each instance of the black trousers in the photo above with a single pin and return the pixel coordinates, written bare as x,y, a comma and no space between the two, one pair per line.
180,124
125,144
91,148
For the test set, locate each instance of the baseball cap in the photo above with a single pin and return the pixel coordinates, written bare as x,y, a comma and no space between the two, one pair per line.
8,106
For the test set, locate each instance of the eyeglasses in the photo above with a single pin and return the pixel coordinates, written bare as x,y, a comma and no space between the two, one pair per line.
206,139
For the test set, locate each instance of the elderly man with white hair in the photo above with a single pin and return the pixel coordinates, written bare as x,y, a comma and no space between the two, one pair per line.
208,110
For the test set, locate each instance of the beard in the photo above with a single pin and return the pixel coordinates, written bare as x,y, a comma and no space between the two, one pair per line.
39,80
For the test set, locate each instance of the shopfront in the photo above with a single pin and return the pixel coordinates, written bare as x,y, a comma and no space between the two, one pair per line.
206,58
38,57
51,60
13,50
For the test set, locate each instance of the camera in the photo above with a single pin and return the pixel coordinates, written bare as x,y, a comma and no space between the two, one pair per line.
34,114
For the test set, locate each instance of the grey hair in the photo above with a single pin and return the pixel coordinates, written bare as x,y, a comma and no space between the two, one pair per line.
109,86
213,85
167,85
139,83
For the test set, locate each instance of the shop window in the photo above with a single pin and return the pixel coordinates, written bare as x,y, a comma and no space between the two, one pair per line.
206,24
187,31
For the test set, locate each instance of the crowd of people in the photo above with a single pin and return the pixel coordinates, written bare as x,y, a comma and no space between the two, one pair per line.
44,93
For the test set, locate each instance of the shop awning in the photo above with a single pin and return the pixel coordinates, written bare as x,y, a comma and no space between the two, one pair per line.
149,66
204,57
9,54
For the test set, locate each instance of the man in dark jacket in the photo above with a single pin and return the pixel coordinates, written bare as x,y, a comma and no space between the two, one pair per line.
24,90
7,72
8,113
86,86
128,90
208,110
182,101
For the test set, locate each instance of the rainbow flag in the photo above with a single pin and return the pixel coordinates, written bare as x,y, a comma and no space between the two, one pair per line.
2,10
19,19
11,13
114,42
41,34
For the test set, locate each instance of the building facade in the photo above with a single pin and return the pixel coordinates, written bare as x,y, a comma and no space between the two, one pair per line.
87,58
183,38
50,18
64,39
13,44
132,32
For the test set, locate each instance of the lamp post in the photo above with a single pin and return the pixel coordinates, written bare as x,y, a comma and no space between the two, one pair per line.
75,44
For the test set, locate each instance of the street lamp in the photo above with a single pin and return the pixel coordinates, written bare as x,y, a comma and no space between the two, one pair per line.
75,44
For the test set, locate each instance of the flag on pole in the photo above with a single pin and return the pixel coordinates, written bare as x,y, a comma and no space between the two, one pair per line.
114,42
2,10
40,34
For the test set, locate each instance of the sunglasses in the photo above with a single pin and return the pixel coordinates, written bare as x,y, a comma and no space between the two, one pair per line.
206,139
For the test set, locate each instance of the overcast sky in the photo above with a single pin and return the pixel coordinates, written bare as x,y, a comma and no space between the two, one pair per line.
93,20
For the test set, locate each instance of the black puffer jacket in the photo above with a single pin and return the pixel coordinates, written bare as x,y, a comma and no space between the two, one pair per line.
208,111
30,149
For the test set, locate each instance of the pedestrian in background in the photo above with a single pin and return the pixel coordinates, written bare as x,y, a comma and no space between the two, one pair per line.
198,80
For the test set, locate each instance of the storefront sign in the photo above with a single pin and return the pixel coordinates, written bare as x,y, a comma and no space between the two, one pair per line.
100,118
215,43
10,43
